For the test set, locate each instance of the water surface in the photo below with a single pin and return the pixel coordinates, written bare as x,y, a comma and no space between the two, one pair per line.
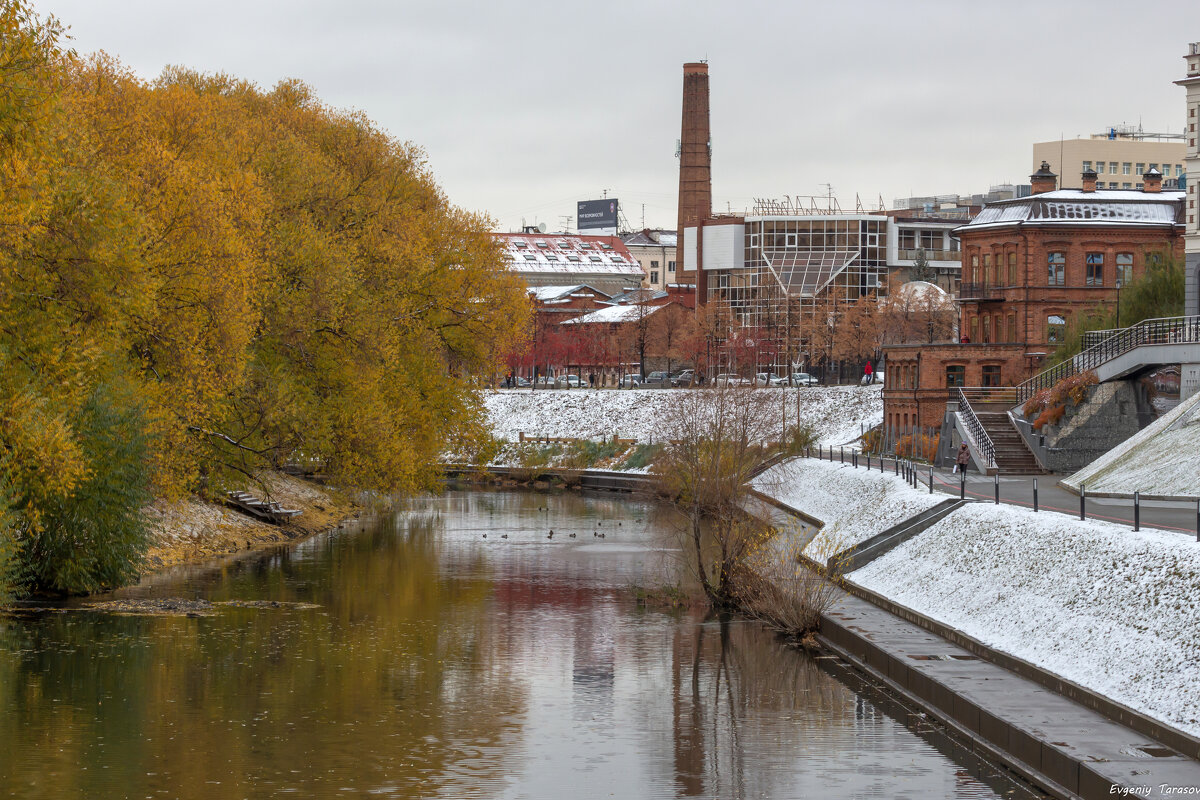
440,662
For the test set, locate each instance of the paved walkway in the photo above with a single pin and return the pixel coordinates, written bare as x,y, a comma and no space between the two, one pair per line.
1168,515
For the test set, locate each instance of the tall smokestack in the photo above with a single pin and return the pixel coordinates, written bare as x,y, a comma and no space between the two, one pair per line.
695,164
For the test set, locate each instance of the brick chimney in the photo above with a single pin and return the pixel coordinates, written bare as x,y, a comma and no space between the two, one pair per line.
695,165
1089,180
1152,180
1043,180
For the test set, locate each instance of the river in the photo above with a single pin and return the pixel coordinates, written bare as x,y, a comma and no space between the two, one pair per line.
452,650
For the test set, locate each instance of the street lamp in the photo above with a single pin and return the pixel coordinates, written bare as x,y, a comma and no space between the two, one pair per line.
1118,301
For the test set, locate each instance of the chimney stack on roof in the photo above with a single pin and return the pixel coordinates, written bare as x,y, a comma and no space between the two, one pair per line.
1089,180
1043,180
1152,181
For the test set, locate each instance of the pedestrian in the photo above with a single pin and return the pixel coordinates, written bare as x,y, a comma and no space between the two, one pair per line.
592,380
962,459
868,373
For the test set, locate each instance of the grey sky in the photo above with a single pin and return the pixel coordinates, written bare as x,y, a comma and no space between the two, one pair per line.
525,108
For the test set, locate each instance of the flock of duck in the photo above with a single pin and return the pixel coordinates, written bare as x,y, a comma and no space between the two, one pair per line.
595,534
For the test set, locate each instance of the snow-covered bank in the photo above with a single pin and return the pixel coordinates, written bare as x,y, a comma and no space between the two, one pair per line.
1162,459
838,414
1112,610
853,504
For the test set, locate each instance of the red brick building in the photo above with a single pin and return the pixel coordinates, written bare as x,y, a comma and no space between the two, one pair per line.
1030,265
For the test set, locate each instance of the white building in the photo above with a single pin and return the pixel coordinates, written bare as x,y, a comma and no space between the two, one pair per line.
558,259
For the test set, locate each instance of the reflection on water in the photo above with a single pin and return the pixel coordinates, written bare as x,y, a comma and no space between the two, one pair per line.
441,663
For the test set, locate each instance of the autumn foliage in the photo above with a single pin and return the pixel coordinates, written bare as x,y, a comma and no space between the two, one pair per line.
245,276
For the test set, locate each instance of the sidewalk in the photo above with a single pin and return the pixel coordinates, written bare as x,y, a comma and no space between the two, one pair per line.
1170,515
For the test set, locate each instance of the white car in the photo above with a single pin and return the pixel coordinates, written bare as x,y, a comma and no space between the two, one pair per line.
802,379
768,379
729,379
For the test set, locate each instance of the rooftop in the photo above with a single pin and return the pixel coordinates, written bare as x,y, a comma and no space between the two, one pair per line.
1077,207
569,254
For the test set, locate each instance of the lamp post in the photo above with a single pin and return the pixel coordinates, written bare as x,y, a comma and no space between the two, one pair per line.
1118,300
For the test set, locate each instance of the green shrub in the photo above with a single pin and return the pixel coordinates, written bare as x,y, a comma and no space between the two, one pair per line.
640,456
95,538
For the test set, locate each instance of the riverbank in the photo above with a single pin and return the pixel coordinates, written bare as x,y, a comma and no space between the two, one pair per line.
1104,607
194,530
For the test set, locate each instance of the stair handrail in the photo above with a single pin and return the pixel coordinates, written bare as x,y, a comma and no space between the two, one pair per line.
1161,330
975,428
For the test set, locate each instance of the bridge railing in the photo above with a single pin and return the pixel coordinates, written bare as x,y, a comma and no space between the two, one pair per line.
975,428
1166,330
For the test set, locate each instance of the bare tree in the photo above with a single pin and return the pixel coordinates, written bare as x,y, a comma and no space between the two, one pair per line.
719,437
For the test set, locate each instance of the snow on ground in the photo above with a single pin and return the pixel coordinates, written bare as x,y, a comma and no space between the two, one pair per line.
1094,602
837,413
1162,459
853,503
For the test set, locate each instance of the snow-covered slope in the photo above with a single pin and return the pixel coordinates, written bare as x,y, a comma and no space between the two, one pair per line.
853,503
837,413
1112,610
1162,459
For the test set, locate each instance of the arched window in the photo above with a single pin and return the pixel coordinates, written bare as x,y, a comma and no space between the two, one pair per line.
1056,329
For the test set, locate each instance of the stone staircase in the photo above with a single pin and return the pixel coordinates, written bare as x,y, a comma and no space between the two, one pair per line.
1012,455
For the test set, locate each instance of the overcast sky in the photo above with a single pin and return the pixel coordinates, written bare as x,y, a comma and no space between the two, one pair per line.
525,108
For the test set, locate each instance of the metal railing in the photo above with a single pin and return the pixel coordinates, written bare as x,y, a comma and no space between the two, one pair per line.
931,255
980,291
979,435
1167,330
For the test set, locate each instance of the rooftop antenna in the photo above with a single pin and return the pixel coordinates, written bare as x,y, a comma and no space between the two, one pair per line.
566,222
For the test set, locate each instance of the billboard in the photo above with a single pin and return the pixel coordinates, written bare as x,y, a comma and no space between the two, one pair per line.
594,214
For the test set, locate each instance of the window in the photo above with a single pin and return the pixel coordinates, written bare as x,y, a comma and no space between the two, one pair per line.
564,246
974,329
1126,185
653,265
1126,168
670,266
1095,269
974,269
991,374
574,257
1012,269
956,375
654,276
1011,333
1141,168
543,245
595,258
1057,264
1087,165
1112,168
1124,269
987,268
615,257
1112,185
1056,329
520,245
987,330
606,246
585,246
530,257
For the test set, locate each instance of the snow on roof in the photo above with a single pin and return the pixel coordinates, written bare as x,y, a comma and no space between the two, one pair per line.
615,314
546,294
920,288
651,238
569,254
1075,207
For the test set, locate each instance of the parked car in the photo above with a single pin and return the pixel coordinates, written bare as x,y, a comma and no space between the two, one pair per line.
729,379
768,379
544,382
520,383
567,382
657,379
631,381
803,379
684,377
